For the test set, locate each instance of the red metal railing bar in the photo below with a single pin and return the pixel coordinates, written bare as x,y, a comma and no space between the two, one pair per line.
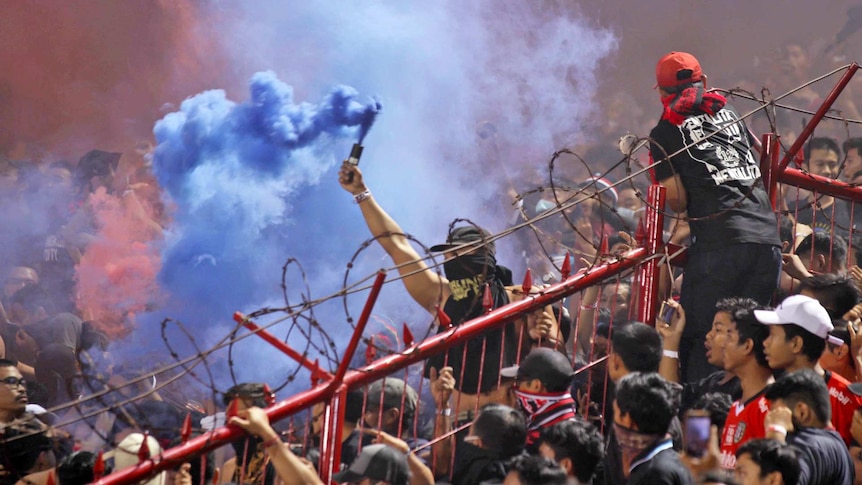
434,345
815,120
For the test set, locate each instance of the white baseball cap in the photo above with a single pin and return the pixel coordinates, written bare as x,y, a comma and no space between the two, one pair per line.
802,311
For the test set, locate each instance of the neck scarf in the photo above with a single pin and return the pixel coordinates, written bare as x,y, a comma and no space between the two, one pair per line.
692,100
633,442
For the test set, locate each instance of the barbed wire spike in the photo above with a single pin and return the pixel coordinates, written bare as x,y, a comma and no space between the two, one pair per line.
640,232
144,450
186,430
527,285
99,467
488,299
408,336
445,321
232,409
269,396
370,351
566,268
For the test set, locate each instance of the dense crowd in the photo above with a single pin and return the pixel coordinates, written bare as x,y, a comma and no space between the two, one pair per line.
752,374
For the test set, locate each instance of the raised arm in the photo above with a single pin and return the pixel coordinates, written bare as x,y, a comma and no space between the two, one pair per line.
289,467
425,286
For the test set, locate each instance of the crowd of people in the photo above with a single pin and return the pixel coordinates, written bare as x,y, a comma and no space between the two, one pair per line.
751,375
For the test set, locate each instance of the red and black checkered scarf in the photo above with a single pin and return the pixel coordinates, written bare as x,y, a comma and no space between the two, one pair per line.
693,100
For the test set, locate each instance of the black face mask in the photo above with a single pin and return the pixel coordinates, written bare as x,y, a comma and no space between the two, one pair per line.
469,266
248,451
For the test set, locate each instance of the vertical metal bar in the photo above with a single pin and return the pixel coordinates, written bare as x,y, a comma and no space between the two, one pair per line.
331,435
360,328
650,270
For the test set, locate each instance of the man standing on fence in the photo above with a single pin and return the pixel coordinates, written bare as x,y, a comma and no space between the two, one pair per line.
703,157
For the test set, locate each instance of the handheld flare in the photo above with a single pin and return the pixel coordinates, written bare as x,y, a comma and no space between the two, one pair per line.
353,159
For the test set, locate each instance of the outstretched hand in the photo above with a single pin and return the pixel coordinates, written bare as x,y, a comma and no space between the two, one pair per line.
254,421
355,185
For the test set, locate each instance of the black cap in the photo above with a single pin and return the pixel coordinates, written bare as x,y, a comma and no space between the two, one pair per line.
377,462
463,235
548,365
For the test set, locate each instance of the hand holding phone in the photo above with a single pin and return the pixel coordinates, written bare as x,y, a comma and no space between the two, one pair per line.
666,312
695,433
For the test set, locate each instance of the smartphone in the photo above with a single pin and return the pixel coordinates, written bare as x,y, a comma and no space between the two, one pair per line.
666,312
695,433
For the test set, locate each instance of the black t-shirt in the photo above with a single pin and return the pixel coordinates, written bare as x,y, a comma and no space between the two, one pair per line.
691,392
660,466
823,457
721,178
832,219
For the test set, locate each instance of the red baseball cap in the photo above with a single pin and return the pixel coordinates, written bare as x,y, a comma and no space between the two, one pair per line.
667,71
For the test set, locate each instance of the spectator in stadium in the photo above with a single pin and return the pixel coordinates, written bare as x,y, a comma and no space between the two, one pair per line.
852,157
799,416
823,213
744,356
719,381
576,446
289,467
767,462
820,252
635,347
470,266
717,404
350,434
837,357
644,407
715,182
497,435
798,331
837,292
535,470
543,381
391,407
249,464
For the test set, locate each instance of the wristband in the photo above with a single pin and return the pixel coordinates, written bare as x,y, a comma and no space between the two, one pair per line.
777,428
673,354
362,196
272,441
590,307
444,412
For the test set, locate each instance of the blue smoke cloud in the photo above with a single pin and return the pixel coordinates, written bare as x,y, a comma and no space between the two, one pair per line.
255,183
230,169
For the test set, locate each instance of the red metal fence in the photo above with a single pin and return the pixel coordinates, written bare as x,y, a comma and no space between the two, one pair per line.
333,389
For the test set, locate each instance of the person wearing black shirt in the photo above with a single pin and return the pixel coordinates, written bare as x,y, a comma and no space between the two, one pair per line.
702,155
800,415
644,407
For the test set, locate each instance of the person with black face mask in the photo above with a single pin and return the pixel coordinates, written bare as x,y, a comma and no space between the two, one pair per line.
470,266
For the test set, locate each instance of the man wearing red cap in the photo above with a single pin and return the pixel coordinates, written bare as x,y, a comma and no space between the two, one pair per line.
702,155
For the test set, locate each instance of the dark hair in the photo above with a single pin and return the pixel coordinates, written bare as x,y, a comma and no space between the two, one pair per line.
832,245
77,468
773,456
649,400
803,386
717,404
353,406
851,144
7,363
32,297
246,390
812,345
603,323
821,143
836,292
638,345
741,311
537,470
578,441
841,331
502,429
21,445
